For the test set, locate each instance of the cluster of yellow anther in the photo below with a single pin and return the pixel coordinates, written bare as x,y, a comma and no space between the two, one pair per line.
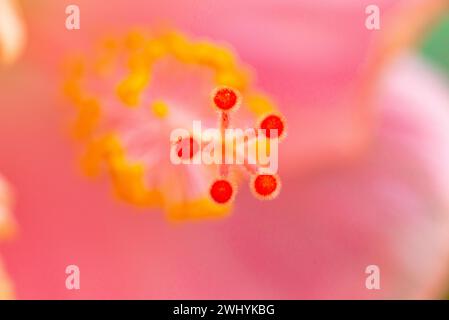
139,53
145,52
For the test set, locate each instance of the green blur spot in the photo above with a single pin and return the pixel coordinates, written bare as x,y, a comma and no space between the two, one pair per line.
435,45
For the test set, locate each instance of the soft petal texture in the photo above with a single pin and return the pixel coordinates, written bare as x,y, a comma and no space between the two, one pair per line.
6,229
5,209
12,31
6,291
377,194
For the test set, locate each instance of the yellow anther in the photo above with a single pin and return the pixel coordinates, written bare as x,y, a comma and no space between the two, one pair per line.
109,44
88,117
232,78
155,48
218,58
160,109
129,90
129,183
178,46
100,151
106,57
72,90
260,104
197,209
140,62
135,41
204,53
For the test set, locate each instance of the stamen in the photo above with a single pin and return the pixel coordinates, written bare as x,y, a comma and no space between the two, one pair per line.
221,191
225,99
139,71
160,109
266,186
273,122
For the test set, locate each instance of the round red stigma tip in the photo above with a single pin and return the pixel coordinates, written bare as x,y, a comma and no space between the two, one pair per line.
272,122
225,99
265,185
187,148
221,191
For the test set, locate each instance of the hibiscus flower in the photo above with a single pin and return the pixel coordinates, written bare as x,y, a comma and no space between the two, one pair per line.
364,165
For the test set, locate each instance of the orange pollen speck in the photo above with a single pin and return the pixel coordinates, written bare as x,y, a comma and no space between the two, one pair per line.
265,185
221,191
272,122
225,99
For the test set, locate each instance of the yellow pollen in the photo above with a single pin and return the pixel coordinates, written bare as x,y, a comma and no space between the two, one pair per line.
160,109
260,104
129,90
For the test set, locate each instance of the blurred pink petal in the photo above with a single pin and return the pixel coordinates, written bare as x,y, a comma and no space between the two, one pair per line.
6,291
6,219
381,198
6,229
12,31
